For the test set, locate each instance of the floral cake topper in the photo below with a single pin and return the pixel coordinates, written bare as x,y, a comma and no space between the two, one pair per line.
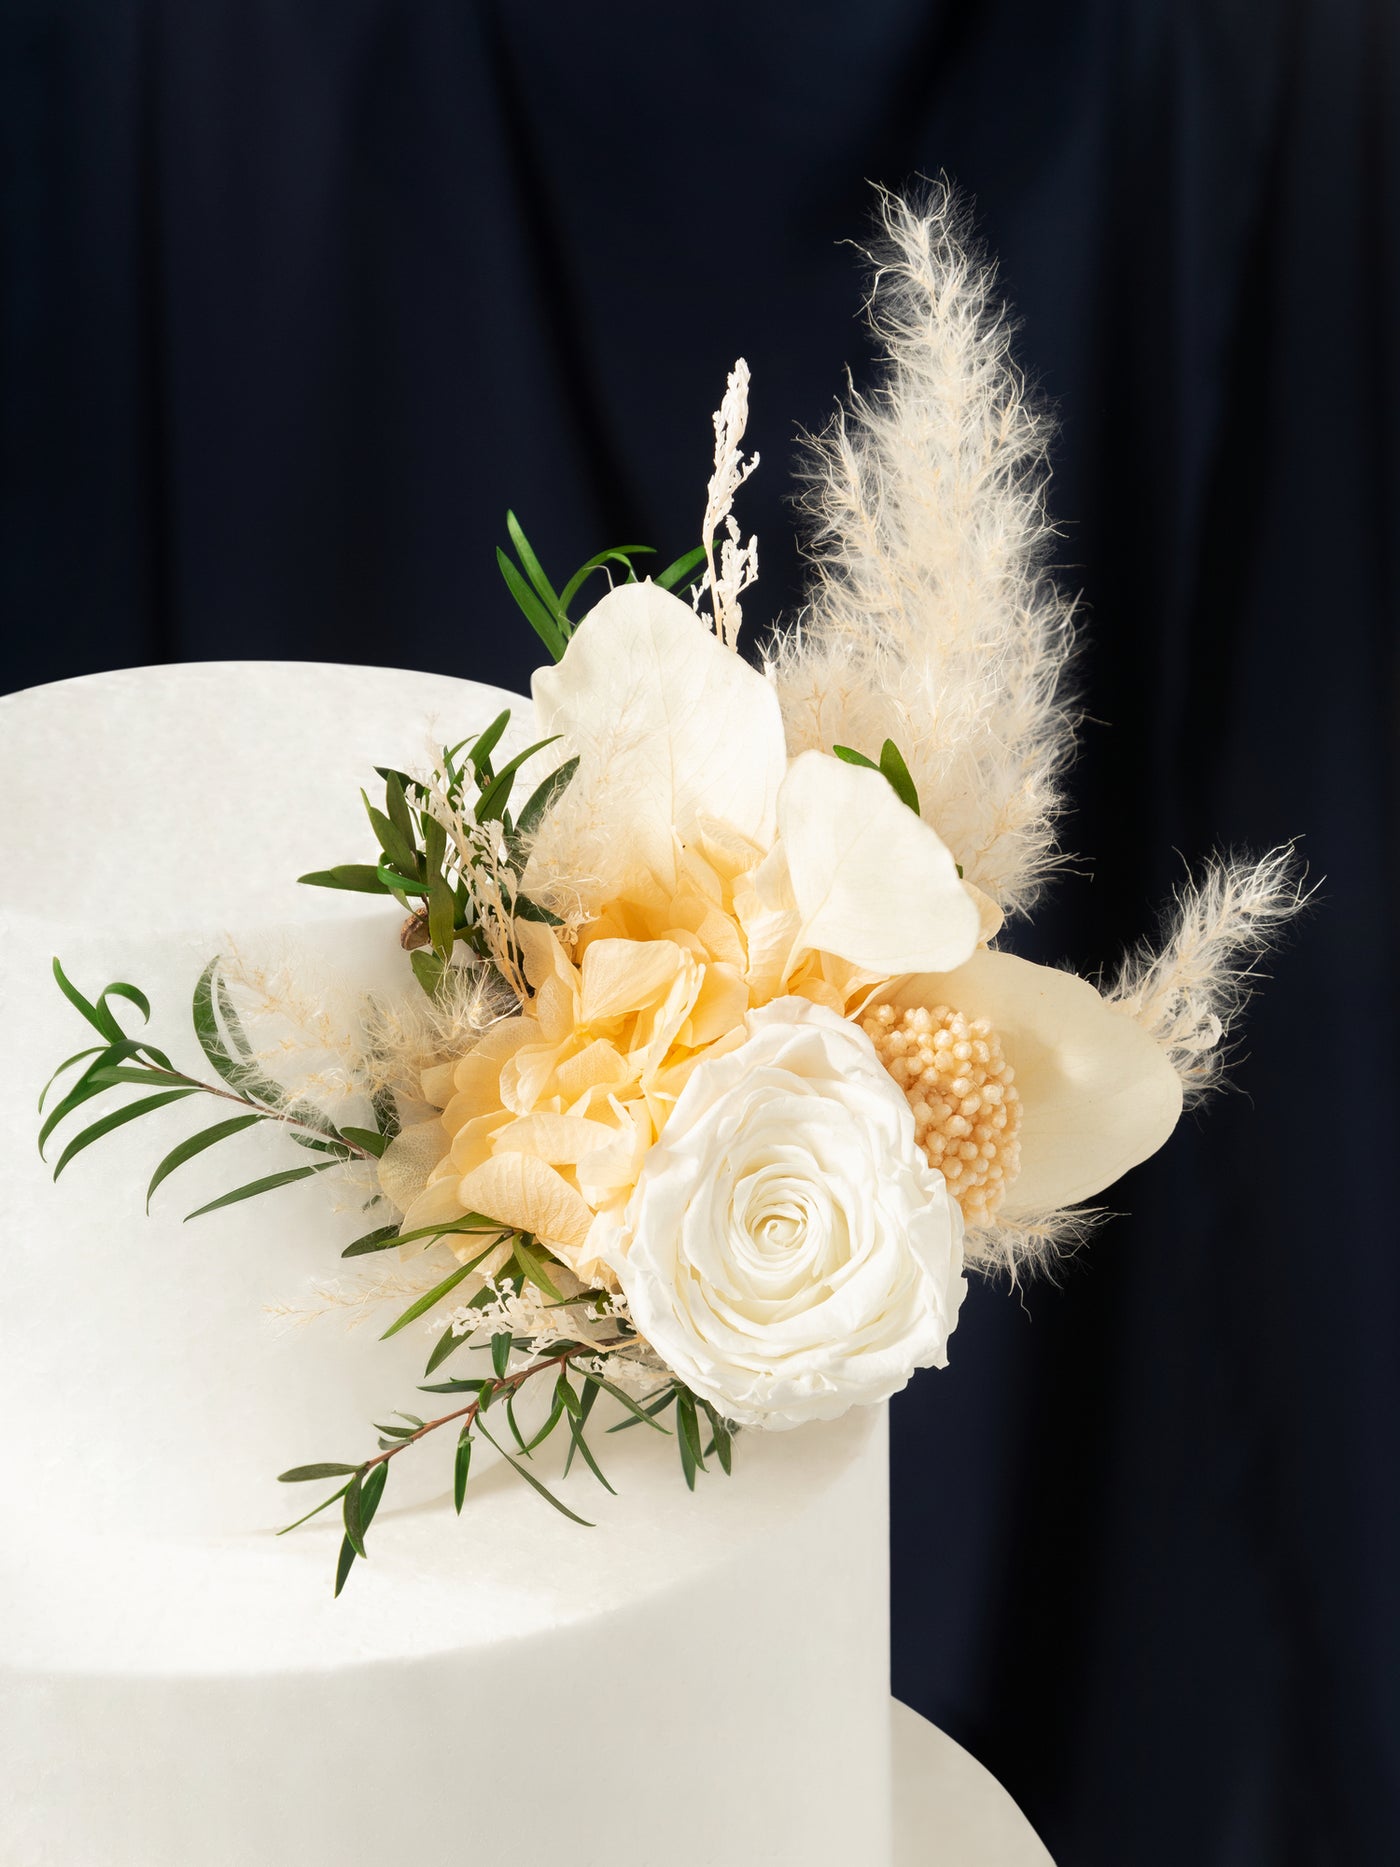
717,1077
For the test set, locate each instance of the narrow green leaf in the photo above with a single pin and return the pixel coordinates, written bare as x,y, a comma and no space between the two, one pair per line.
383,1238
461,1467
397,847
98,1016
723,1437
473,1385
543,798
369,1139
541,620
80,1057
359,878
370,1496
427,970
197,1143
396,806
688,1432
118,1119
91,1083
344,1566
133,996
531,1479
901,783
495,797
849,756
534,570
500,1353
269,1184
446,1343
424,1303
676,576
619,554
585,1451
485,744
532,1266
642,1415
442,916
315,1511
354,1528
470,1222
305,1474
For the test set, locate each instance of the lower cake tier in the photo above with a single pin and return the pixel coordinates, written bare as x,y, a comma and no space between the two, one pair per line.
697,1681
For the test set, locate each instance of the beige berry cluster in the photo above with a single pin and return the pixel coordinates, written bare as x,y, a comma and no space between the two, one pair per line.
967,1112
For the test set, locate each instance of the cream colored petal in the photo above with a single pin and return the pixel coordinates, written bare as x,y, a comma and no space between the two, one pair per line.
477,1076
435,1205
544,957
561,1140
683,728
597,1065
723,999
408,1160
472,1143
872,882
524,1193
622,976
438,1083
1097,1093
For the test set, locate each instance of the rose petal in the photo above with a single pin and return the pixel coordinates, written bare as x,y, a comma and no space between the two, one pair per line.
683,729
1097,1093
871,881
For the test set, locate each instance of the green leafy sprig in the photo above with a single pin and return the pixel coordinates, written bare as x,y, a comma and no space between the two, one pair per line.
123,1062
891,766
547,611
430,878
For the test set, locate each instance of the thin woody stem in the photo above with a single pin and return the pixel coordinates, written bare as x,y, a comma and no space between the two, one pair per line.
230,1095
507,1384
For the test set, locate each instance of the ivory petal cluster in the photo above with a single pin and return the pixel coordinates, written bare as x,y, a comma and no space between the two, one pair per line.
687,735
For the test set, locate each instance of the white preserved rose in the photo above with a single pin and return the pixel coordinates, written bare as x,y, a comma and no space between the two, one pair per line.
787,1250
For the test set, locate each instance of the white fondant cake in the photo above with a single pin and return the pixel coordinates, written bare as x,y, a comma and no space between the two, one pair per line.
699,1681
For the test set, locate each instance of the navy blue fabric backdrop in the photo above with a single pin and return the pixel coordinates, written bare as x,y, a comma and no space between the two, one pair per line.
298,296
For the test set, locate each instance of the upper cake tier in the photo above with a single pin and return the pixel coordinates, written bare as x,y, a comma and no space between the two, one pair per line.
155,817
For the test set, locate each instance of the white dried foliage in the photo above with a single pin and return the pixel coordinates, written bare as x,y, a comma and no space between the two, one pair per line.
484,869
1189,992
362,1298
931,618
304,1028
724,582
1014,1248
405,1035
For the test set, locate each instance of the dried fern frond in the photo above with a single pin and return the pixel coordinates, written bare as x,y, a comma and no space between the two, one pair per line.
1190,992
931,618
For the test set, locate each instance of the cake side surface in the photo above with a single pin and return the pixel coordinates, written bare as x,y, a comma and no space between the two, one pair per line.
699,1680
174,1369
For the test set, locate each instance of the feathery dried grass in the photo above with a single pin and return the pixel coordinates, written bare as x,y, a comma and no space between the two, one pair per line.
931,619
1190,992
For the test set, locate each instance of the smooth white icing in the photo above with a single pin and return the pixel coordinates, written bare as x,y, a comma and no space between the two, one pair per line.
697,1682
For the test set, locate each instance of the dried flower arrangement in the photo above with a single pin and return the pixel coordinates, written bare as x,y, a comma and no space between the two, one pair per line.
719,1078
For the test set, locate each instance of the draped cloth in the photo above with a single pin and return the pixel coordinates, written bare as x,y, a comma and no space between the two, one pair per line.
296,298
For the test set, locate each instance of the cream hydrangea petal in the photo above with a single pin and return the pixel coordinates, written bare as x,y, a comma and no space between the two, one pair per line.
871,881
561,1140
521,1191
1097,1093
621,976
409,1159
683,728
